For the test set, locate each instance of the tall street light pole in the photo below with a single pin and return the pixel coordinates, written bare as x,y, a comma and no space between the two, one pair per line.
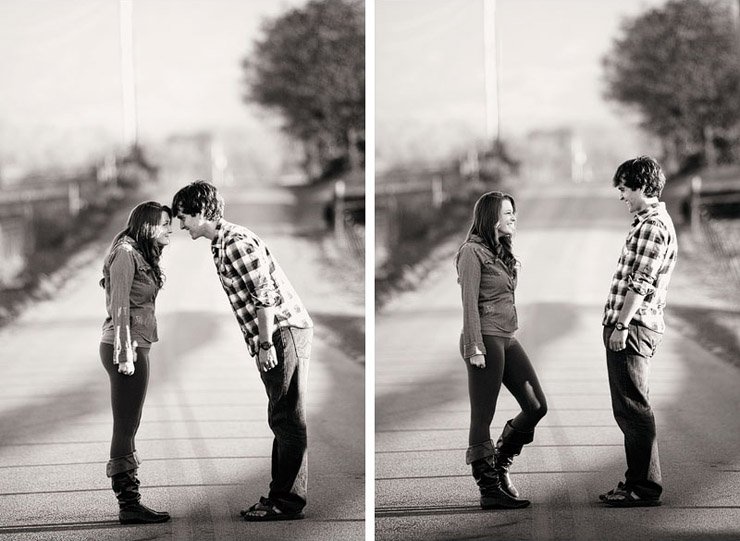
128,82
491,63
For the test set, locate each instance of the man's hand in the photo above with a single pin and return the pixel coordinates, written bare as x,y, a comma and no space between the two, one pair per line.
618,340
267,359
478,360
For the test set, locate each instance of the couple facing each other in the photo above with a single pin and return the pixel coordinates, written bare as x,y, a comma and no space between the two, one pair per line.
633,327
276,326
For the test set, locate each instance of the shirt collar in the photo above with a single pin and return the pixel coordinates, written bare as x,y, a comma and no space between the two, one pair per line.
648,212
217,243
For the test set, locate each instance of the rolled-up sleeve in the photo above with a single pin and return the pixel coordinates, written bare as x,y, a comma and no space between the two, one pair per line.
469,274
253,268
652,243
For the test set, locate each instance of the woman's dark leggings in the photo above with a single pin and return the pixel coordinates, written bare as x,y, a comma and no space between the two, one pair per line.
507,363
127,394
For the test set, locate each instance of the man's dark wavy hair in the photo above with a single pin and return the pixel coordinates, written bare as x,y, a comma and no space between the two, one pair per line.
641,172
199,196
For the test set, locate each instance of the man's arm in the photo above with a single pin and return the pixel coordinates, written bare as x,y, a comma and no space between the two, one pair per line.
632,301
266,358
653,241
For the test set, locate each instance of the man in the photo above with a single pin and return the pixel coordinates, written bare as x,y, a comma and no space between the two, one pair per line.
278,332
634,326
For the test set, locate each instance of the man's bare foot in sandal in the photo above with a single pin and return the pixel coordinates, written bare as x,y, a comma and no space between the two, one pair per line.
625,497
266,510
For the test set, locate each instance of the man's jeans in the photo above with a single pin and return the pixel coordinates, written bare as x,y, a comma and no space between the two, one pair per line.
628,382
286,414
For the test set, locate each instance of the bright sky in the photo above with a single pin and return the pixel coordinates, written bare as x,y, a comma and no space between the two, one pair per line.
61,88
430,78
61,82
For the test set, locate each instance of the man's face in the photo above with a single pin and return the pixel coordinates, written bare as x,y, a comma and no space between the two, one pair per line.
192,224
635,199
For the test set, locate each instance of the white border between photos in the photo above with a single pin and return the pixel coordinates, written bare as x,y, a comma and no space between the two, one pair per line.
369,270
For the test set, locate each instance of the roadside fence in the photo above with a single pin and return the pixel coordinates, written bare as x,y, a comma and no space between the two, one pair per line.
407,204
714,211
26,215
349,218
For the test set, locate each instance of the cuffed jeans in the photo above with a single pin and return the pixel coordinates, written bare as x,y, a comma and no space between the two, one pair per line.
628,382
286,414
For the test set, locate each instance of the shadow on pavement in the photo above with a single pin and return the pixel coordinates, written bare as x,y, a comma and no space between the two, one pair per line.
710,327
89,395
343,331
551,319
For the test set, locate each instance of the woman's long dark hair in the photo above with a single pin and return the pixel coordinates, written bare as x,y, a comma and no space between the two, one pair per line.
486,217
142,226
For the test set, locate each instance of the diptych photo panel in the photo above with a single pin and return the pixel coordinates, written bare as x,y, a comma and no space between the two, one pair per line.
356,270
552,343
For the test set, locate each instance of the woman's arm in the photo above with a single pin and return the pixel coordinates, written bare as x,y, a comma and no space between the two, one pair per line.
122,271
469,275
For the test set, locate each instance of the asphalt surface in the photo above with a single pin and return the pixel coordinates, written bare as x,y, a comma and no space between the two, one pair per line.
568,242
204,437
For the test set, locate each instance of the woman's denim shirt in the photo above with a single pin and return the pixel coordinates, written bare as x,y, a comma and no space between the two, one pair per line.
487,296
130,292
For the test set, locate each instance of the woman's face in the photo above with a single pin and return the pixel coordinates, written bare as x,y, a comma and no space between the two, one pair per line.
164,230
507,220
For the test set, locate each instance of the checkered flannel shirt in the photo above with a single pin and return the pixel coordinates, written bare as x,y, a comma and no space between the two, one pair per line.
252,278
645,267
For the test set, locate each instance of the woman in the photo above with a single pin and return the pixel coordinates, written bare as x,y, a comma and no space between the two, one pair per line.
132,278
487,274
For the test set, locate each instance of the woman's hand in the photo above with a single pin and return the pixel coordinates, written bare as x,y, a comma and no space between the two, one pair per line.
126,368
478,360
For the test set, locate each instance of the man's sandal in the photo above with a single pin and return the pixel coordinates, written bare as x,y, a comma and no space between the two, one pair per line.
622,497
602,497
265,511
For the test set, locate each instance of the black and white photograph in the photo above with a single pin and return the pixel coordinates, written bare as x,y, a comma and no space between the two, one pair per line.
557,269
182,225
369,270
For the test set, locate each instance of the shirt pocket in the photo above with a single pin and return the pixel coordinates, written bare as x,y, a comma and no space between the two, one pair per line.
144,323
487,308
229,279
488,266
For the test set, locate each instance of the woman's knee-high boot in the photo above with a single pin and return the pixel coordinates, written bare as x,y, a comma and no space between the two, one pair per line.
486,477
122,471
508,446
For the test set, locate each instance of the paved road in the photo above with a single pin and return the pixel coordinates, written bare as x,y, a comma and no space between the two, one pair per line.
568,243
204,437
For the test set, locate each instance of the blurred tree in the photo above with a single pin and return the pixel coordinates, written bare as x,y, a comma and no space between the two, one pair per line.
679,66
310,67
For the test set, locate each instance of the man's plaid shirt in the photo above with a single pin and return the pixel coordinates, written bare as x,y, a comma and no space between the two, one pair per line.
252,278
645,267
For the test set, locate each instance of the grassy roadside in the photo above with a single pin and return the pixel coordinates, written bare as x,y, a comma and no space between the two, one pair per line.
422,246
49,269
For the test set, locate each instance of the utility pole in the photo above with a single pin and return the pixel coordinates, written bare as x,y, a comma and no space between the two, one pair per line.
491,64
128,79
